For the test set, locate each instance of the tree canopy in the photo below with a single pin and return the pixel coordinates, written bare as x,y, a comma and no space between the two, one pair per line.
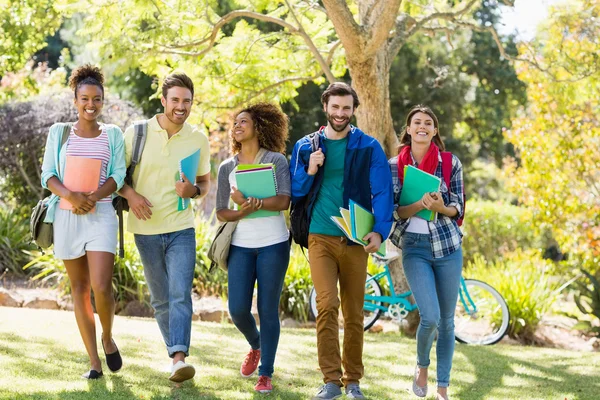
24,27
558,137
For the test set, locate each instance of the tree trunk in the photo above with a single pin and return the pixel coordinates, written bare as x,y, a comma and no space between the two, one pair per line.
371,80
411,322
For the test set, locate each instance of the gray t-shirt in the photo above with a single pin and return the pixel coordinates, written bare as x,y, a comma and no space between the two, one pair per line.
256,232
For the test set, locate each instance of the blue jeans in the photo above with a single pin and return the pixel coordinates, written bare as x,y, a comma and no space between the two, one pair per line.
169,260
434,283
268,266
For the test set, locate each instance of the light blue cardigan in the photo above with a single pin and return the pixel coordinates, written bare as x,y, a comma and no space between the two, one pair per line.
55,157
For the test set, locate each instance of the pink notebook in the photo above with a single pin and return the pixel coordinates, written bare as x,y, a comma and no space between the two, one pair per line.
81,175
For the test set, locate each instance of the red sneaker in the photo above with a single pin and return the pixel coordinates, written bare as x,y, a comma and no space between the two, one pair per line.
250,363
263,385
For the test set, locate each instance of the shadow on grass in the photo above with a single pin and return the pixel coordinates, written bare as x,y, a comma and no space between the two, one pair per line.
60,365
551,379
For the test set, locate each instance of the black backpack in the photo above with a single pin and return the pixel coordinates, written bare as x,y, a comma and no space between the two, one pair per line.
120,203
300,215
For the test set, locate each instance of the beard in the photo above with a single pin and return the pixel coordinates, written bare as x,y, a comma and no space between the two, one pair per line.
176,119
337,127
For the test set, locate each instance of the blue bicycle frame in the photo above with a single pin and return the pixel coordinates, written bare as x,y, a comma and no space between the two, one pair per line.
371,301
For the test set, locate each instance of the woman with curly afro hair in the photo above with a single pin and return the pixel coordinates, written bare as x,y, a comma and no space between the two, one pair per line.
84,223
260,247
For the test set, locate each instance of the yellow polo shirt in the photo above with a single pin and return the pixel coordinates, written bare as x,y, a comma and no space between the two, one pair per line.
155,176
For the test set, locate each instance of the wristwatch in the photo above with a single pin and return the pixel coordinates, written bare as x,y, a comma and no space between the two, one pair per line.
197,192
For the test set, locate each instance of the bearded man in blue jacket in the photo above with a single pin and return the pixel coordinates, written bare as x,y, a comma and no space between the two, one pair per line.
329,168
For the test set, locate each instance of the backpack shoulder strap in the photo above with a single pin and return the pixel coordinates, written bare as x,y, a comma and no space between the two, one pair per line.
447,167
314,141
140,129
66,130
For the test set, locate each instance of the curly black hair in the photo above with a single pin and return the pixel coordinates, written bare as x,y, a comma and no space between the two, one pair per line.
86,75
270,125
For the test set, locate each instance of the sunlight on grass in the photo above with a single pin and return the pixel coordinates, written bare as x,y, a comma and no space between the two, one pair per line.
42,356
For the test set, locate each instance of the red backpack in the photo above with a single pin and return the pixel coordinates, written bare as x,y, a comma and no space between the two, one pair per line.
447,172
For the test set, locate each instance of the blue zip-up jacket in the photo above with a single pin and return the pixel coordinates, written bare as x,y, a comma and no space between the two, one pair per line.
367,177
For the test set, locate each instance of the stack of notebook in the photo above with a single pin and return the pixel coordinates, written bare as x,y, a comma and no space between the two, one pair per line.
258,181
356,223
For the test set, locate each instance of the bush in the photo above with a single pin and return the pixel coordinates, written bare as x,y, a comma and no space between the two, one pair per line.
587,299
493,229
14,240
207,283
525,281
23,130
296,287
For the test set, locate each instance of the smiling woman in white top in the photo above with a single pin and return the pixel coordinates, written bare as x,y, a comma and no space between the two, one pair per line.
85,237
260,247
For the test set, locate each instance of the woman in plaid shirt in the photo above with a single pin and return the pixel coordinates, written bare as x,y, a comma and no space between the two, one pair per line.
431,250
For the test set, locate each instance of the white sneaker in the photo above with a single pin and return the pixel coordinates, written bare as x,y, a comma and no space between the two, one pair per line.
182,372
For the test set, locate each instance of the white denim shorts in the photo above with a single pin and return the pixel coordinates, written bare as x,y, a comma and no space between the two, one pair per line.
76,234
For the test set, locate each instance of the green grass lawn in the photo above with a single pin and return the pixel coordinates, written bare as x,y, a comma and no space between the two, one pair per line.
42,357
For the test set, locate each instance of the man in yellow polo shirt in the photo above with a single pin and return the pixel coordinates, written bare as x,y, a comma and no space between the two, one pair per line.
164,236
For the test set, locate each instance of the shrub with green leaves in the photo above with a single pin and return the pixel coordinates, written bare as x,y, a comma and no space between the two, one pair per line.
207,282
493,229
296,287
14,240
525,281
587,299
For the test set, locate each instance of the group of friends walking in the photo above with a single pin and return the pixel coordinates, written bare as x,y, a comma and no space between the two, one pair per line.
345,164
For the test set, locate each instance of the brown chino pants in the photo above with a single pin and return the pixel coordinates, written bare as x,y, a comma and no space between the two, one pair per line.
331,259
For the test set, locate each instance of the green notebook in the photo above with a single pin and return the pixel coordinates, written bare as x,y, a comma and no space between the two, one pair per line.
362,222
416,184
259,182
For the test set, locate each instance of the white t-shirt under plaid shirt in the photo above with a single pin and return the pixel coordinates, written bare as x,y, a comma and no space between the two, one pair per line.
95,148
446,236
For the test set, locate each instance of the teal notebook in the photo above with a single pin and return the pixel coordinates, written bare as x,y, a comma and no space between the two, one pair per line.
361,224
259,183
188,166
416,184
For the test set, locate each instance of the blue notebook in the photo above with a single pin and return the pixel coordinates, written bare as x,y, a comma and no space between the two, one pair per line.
188,166
259,183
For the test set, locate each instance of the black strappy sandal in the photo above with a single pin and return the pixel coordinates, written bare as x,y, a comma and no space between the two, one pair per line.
113,360
92,374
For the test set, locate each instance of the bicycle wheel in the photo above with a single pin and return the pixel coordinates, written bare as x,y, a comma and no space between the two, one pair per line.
370,316
482,316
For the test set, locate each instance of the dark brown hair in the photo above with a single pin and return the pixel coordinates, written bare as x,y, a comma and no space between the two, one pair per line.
405,137
179,80
270,126
339,89
86,75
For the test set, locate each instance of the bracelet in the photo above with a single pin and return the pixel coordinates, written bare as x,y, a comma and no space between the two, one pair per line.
261,204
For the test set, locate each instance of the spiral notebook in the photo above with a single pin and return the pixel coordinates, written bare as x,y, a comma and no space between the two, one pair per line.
189,167
259,181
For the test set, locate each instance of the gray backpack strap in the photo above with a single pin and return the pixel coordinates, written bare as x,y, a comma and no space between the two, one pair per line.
66,130
314,141
140,129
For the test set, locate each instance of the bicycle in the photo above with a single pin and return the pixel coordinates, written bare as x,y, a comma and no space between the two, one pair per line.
482,316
